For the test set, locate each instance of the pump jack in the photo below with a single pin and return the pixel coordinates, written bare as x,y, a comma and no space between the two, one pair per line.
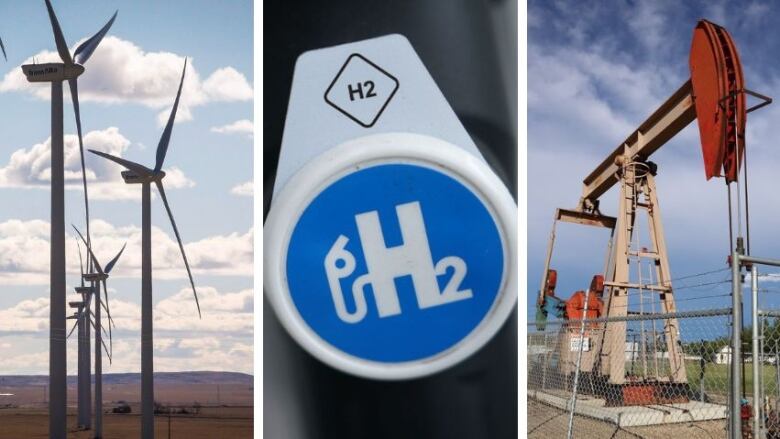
715,96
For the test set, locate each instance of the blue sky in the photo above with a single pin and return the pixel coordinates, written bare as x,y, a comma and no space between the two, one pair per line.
128,88
596,70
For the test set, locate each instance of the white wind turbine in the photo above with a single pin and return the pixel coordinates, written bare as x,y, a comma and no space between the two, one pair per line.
139,174
78,315
56,73
96,278
83,321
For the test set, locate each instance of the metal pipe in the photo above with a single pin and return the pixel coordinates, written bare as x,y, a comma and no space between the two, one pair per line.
761,261
756,361
777,376
577,366
736,391
546,358
702,366
550,244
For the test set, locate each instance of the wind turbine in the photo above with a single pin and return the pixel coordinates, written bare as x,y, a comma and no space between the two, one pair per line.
56,73
3,49
83,321
97,278
139,174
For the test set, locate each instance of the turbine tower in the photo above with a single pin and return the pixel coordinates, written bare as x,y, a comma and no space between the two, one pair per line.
78,315
96,279
56,73
84,364
139,174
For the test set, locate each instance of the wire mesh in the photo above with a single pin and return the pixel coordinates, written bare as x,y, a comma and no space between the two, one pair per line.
631,382
768,366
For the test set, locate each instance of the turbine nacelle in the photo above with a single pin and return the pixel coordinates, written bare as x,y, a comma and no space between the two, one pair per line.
131,177
84,290
52,72
95,277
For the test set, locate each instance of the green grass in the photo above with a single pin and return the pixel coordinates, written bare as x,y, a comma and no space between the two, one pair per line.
716,377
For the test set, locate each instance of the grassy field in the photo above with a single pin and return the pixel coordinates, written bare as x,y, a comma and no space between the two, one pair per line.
716,377
211,423
226,412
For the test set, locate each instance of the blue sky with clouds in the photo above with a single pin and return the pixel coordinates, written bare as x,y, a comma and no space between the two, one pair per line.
596,70
125,94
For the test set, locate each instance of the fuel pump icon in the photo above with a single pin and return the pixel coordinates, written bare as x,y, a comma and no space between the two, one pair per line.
412,258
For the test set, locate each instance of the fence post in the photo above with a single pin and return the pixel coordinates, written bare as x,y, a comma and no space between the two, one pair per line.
545,360
736,334
757,399
702,365
777,377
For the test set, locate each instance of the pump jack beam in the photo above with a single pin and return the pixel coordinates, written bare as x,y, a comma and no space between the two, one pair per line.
669,119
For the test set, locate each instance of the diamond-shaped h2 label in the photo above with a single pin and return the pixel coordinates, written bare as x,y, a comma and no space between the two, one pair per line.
361,90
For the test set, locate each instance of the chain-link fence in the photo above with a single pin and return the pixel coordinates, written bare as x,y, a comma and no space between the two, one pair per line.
767,370
651,375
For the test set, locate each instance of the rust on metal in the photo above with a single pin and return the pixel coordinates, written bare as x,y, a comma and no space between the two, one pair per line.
650,393
719,99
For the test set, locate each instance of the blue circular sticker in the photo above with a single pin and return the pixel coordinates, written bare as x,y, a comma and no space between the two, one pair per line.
395,263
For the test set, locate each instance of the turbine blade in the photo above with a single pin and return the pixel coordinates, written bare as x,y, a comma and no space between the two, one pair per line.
88,303
110,319
3,49
94,326
108,313
84,51
74,94
141,170
112,262
108,354
162,147
73,328
178,239
59,39
81,263
89,249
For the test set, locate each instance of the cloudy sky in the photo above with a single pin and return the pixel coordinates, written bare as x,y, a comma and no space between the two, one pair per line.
126,95
596,70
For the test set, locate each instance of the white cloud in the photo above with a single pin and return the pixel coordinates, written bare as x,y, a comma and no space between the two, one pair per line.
221,341
31,167
245,189
648,22
183,114
223,312
30,315
243,126
24,250
119,71
227,84
20,363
